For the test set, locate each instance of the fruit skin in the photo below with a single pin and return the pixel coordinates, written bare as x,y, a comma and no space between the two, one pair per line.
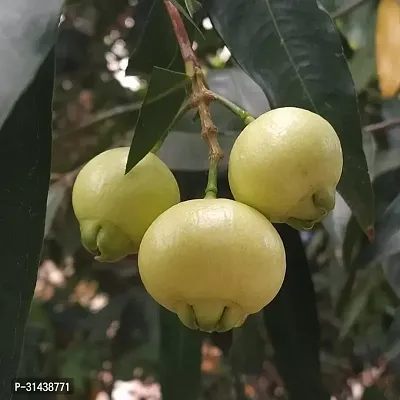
213,262
114,210
287,164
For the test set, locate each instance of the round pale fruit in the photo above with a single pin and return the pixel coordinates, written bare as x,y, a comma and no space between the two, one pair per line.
287,164
212,262
114,210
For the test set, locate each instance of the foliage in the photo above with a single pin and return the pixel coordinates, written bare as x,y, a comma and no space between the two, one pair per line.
335,324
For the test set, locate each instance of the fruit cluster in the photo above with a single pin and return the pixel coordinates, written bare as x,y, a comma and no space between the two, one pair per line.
213,261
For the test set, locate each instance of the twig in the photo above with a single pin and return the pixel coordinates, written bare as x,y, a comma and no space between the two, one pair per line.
188,55
201,96
382,125
347,8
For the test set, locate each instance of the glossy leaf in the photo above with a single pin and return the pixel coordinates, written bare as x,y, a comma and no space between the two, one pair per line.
164,98
292,324
388,47
157,30
180,357
27,36
292,50
26,141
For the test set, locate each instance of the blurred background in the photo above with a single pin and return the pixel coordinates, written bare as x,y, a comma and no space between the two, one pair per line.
95,323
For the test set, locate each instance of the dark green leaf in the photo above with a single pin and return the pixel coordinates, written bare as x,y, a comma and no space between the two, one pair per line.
392,346
387,244
357,251
191,6
373,393
164,98
78,361
39,343
247,353
24,183
359,300
293,51
180,356
157,46
292,324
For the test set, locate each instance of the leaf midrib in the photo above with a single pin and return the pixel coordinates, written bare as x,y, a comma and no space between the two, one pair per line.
282,40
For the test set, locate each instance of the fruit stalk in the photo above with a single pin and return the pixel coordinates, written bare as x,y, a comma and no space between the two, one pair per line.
243,114
201,95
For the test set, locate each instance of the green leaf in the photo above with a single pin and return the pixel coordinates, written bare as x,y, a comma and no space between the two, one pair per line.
359,300
157,46
387,244
373,393
164,98
293,51
24,183
363,63
292,324
246,354
192,6
28,35
55,197
180,356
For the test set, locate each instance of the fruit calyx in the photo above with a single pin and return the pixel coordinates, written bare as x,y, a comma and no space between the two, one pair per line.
210,315
106,241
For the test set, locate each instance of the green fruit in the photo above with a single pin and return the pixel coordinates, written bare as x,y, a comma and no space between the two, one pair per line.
213,262
287,164
114,210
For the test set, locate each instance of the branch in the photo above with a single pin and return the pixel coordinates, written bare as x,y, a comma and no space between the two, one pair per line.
382,125
347,8
200,98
